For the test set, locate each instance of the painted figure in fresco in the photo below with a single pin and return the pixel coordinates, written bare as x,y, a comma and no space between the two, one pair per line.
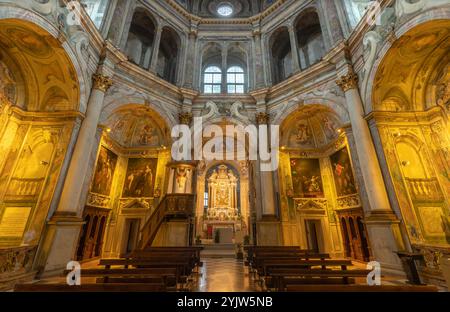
330,128
147,136
303,135
440,149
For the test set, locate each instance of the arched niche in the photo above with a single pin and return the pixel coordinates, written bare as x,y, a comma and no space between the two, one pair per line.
141,38
311,45
135,126
281,55
310,127
413,75
36,72
168,56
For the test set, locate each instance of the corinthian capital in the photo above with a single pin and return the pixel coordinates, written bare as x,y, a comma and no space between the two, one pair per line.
348,82
262,118
101,82
185,118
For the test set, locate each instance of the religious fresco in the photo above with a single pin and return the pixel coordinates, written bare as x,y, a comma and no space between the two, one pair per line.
104,172
135,128
306,178
140,177
342,172
302,135
311,127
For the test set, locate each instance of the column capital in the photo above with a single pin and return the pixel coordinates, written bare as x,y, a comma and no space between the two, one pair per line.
185,118
262,118
101,82
348,82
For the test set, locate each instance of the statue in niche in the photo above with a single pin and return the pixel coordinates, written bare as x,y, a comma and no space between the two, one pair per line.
140,177
181,178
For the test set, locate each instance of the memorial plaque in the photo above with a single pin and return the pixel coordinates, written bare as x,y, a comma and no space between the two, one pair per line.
14,221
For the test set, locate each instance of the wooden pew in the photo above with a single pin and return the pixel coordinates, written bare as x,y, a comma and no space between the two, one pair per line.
301,264
183,268
90,288
166,276
361,288
280,278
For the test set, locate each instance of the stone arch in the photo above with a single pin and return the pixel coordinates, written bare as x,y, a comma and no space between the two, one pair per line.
135,125
280,55
113,104
169,55
310,38
337,105
429,18
47,71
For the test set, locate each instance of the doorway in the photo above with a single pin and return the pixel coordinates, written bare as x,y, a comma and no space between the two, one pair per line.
313,235
132,233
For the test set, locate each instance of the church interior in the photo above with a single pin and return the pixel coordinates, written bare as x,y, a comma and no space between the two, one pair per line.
91,90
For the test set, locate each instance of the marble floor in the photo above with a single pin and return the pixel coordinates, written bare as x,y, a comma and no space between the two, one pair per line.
224,275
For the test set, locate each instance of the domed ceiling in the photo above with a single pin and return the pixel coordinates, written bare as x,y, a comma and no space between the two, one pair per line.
239,8
414,73
310,127
35,72
137,127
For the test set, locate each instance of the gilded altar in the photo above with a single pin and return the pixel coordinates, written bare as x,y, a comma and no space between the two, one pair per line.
223,198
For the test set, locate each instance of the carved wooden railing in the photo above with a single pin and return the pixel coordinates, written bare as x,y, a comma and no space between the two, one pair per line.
171,205
424,189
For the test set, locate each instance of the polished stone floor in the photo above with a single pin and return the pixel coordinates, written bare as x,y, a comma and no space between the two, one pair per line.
224,275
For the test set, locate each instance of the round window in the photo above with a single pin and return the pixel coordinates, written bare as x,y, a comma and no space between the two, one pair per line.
225,9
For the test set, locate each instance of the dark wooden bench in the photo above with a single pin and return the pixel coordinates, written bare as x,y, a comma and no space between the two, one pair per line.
301,264
360,288
166,276
90,288
183,269
279,278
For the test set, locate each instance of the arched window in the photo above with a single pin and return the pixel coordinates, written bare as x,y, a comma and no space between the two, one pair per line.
96,10
212,80
235,80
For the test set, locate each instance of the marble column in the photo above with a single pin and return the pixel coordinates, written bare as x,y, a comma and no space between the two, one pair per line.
294,49
382,223
269,230
155,52
71,193
61,236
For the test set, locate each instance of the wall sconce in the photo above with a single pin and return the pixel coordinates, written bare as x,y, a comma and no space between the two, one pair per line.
397,134
406,163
